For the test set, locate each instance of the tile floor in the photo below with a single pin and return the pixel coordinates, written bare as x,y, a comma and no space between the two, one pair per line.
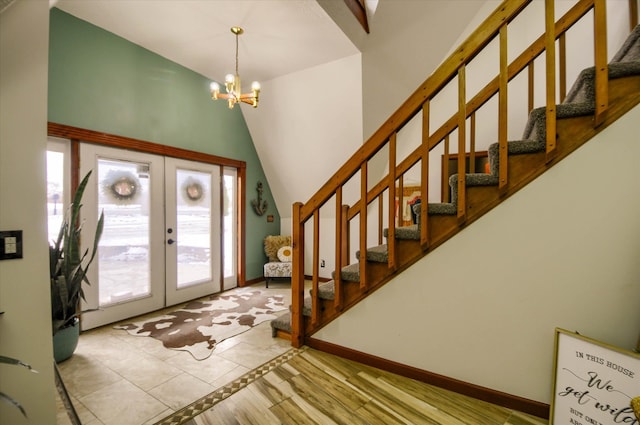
114,378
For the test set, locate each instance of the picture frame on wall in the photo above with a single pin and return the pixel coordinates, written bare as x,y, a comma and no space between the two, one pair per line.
593,382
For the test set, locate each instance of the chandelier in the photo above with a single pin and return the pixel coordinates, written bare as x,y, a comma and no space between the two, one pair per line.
232,84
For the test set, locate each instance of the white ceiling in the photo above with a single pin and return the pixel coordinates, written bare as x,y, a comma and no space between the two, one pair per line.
281,36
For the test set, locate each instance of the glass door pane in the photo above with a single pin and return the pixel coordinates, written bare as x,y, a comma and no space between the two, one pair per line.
194,227
229,228
57,185
124,260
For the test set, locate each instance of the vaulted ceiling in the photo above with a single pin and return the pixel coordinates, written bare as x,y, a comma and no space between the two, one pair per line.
281,36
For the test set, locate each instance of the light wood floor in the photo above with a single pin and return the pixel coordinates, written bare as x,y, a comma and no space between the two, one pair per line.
311,387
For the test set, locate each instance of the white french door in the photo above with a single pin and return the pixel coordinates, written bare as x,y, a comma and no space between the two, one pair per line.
192,214
163,234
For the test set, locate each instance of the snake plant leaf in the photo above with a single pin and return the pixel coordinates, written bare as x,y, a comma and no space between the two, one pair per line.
16,362
4,397
13,402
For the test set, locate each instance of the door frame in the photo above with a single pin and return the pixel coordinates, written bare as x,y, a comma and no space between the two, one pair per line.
78,135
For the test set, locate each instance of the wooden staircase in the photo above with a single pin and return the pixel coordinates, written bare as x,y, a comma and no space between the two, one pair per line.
377,262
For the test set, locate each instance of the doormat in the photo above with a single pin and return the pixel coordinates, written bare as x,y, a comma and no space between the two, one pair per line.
199,325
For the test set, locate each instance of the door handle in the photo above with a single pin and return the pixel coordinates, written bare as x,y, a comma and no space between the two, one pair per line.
170,241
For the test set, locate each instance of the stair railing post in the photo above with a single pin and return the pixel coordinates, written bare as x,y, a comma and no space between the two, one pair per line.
297,278
340,257
363,224
424,178
562,66
601,65
462,143
550,59
315,308
380,218
445,189
391,240
503,150
346,236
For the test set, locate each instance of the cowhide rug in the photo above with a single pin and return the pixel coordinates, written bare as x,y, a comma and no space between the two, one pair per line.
199,325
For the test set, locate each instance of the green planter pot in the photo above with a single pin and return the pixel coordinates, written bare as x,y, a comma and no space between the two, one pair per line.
65,342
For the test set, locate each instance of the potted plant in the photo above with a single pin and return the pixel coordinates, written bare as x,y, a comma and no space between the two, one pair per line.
68,270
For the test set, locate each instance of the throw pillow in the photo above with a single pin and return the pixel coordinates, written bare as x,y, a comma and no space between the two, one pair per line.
285,254
273,243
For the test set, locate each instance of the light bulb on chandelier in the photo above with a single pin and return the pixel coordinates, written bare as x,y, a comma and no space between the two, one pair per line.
232,84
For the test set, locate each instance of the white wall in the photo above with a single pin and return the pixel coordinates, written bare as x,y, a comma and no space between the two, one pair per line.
408,40
25,328
562,252
306,127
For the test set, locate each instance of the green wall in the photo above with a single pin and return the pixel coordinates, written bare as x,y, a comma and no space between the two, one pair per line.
101,82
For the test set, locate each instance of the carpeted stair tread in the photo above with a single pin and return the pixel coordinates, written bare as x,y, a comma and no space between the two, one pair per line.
306,306
405,232
515,147
282,323
327,290
630,50
536,125
583,90
351,273
445,208
376,254
472,179
412,232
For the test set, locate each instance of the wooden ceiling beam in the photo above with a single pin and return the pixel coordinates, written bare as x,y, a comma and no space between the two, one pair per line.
358,9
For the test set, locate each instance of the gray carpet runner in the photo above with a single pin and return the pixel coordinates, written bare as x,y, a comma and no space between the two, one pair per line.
580,101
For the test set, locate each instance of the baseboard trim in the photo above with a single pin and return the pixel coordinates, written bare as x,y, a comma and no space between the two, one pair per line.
283,335
262,279
320,279
509,401
252,281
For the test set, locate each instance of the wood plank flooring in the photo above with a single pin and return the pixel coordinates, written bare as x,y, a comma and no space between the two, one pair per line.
311,387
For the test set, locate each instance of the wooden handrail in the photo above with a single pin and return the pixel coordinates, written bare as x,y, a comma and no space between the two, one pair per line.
525,60
453,70
508,10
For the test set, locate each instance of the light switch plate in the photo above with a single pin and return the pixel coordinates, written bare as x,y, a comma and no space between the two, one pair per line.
10,244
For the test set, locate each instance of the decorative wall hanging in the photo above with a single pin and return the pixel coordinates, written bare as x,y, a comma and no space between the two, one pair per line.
259,205
192,190
593,382
123,186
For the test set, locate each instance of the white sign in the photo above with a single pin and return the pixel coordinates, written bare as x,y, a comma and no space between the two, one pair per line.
594,383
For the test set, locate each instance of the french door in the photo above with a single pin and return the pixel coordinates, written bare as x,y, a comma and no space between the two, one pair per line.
164,232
